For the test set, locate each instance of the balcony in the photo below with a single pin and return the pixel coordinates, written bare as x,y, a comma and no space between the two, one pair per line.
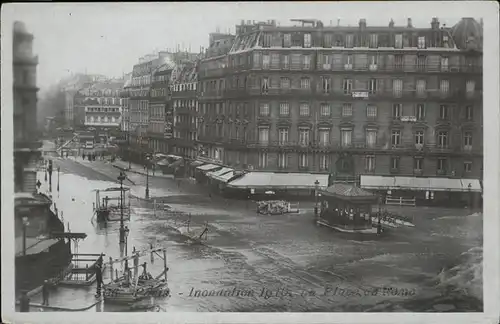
407,68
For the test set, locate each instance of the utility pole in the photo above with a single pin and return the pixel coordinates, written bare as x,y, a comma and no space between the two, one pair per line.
121,177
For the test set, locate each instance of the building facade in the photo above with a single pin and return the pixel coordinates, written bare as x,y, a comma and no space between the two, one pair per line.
26,140
182,123
124,95
98,106
378,100
158,106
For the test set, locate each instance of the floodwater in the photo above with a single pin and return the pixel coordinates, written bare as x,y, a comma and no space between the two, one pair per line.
253,262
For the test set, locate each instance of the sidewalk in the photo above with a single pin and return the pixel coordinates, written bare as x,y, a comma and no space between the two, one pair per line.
139,169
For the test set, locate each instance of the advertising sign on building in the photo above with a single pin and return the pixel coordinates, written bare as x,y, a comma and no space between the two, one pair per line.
360,94
408,118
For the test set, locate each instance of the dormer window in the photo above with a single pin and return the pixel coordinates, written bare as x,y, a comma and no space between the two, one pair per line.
421,42
307,40
349,40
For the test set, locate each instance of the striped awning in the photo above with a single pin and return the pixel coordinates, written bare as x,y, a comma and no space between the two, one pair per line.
216,175
208,167
271,180
420,184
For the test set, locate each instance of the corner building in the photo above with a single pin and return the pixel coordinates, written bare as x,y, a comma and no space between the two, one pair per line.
394,100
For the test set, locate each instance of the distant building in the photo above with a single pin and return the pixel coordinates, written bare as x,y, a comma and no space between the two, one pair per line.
124,95
159,105
27,143
98,105
381,100
181,127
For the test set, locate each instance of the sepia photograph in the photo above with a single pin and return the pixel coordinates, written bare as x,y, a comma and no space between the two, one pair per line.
245,159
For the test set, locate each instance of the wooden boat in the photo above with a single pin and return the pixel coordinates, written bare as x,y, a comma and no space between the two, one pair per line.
109,208
130,288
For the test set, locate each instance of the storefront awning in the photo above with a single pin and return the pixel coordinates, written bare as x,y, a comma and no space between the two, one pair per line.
271,180
208,167
419,184
196,163
217,174
162,162
33,245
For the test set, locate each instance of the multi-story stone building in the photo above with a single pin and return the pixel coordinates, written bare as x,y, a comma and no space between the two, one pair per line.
124,95
26,141
139,96
384,100
99,106
158,106
182,124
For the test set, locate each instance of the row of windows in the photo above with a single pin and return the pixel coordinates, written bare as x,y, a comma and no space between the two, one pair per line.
100,119
371,111
371,139
161,92
373,62
372,86
101,101
184,87
348,41
442,164
141,80
185,103
97,109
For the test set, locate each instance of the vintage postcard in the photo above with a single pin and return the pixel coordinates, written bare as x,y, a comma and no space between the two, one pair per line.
274,162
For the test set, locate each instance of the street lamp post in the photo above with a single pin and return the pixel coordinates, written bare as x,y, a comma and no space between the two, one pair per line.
471,202
129,154
127,231
316,191
50,175
147,177
58,170
46,170
121,177
25,224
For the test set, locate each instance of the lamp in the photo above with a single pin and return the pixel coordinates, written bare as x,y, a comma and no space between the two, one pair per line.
316,189
147,176
120,178
25,224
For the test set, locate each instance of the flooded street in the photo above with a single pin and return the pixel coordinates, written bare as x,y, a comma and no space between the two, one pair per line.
253,262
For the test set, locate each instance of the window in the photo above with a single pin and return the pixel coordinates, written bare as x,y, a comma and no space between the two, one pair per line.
303,160
444,87
262,159
372,86
324,137
263,135
349,40
346,137
346,110
419,137
304,136
373,59
287,40
470,86
370,163
373,40
283,136
394,163
443,139
420,111
305,83
285,83
267,40
325,110
469,113
323,162
264,109
398,41
327,40
265,61
275,60
443,112
307,40
421,63
441,165
397,88
467,166
398,62
371,138
421,88
265,85
444,64
348,65
284,109
468,140
306,62
256,59
418,164
282,160
304,109
286,62
371,111
325,84
396,137
347,86
421,42
396,111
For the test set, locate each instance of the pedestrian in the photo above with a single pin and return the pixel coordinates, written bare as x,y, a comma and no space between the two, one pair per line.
83,156
24,302
45,293
98,274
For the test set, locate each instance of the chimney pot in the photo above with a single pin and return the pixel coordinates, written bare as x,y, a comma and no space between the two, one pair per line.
410,25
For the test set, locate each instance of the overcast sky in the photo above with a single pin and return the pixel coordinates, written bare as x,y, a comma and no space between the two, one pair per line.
109,38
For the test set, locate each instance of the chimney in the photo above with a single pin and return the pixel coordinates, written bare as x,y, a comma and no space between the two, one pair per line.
435,23
362,23
410,25
391,23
